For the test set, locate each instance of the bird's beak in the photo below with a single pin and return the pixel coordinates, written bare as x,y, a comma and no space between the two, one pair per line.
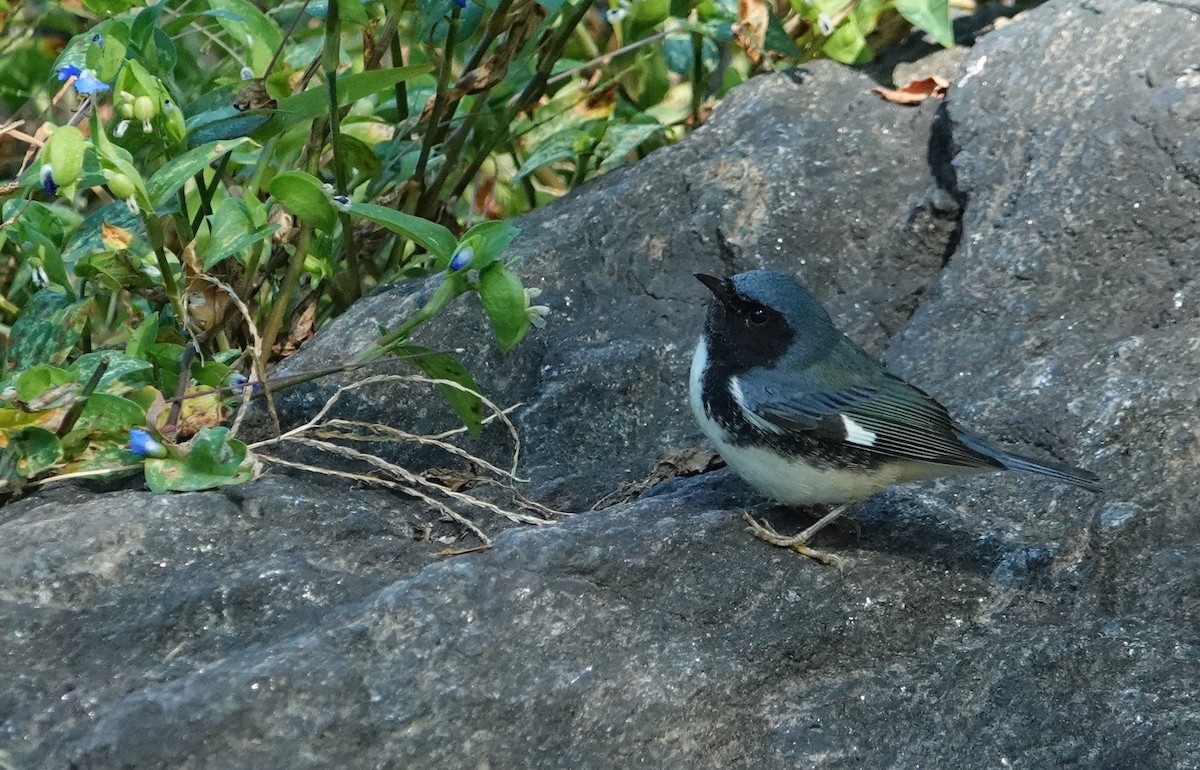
722,288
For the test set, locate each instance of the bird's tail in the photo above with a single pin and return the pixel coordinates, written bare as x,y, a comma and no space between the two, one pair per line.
1014,462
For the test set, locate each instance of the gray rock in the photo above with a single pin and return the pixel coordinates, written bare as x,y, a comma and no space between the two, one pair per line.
996,621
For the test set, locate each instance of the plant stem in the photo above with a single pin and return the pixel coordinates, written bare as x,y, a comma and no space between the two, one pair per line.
428,201
697,78
155,233
332,54
89,387
606,58
432,129
181,219
550,50
283,299
207,191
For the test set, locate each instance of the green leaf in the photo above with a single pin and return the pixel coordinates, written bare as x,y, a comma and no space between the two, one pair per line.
247,24
624,139
46,330
233,231
777,39
41,379
37,450
487,240
180,169
212,117
848,43
165,357
100,455
436,239
121,372
115,270
557,147
932,16
89,236
301,193
213,460
109,7
219,250
350,88
211,374
142,337
106,413
29,218
357,155
350,12
443,366
504,302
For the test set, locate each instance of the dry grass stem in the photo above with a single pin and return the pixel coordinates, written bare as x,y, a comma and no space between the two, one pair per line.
315,434
437,505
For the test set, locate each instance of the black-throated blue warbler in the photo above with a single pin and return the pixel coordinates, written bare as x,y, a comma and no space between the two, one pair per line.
805,416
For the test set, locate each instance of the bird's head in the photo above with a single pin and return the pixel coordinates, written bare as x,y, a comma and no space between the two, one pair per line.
760,317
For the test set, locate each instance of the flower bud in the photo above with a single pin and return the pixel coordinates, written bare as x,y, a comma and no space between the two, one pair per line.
462,258
120,184
144,108
63,153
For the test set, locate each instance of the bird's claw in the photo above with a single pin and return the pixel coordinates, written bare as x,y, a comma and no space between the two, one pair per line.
798,543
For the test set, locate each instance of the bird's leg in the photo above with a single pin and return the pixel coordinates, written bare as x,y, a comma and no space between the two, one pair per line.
798,543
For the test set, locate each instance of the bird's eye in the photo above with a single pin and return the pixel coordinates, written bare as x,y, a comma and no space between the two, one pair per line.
758,316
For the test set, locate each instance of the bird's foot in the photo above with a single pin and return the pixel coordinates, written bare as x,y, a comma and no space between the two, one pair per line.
798,543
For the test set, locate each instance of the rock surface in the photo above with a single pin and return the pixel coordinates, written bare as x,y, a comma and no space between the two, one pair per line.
995,621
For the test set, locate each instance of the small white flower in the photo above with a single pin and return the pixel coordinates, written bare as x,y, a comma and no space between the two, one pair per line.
535,313
147,128
825,24
247,73
132,204
615,16
40,278
122,127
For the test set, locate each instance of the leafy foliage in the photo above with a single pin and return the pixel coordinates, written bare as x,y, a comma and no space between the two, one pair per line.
206,183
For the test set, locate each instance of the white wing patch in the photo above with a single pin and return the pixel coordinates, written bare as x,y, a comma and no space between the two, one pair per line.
735,390
857,434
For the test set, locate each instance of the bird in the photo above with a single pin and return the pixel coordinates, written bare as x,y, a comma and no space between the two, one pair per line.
807,417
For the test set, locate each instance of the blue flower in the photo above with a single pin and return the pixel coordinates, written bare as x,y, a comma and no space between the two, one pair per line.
69,71
142,443
238,380
461,3
48,183
87,83
462,258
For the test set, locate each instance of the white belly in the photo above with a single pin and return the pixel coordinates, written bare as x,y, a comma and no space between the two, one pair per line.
796,483
788,481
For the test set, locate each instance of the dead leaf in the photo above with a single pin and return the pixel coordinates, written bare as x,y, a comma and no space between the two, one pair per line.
115,238
196,412
750,30
915,92
690,461
302,328
254,96
191,262
523,21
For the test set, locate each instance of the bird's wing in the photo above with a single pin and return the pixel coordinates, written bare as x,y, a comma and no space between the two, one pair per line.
889,417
